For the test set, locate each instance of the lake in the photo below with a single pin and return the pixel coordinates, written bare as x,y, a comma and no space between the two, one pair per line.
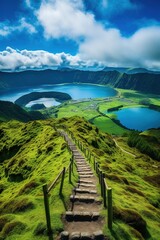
138,118
76,91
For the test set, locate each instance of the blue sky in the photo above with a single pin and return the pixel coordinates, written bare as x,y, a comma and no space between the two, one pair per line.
79,33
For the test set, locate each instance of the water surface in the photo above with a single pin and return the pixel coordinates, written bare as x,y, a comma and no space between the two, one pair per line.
138,118
76,91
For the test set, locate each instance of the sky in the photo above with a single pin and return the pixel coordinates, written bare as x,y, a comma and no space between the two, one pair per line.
84,34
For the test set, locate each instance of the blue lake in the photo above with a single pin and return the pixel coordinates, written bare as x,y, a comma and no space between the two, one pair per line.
138,118
76,91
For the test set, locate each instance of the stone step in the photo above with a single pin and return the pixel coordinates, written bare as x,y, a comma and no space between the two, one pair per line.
79,170
81,216
81,165
96,235
83,190
85,181
82,198
84,168
85,172
86,185
82,161
78,155
86,175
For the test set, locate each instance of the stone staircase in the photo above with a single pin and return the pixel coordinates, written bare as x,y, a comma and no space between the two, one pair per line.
83,220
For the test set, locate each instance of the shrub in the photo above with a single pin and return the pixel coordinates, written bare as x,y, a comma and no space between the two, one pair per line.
28,187
20,205
132,218
40,229
15,226
138,141
3,221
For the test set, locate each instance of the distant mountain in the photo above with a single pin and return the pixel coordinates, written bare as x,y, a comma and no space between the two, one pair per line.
144,82
129,70
9,111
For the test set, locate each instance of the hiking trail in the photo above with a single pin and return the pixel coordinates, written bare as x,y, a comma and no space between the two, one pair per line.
83,220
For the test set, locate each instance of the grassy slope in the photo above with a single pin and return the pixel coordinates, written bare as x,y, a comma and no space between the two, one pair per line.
11,111
134,179
35,153
134,182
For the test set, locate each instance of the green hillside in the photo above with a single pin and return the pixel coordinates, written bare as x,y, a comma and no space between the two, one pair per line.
10,111
33,153
143,81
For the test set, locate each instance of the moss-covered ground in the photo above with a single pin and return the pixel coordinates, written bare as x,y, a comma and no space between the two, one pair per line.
32,155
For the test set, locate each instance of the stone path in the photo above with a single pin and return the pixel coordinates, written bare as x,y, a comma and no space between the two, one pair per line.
83,220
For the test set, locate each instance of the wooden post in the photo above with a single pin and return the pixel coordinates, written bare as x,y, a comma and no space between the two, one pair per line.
81,146
104,191
96,167
101,182
70,172
94,162
62,181
88,155
110,211
72,159
47,211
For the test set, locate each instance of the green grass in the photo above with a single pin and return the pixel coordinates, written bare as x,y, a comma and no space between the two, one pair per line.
35,154
107,125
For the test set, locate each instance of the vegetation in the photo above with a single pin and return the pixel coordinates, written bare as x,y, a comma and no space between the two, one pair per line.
33,154
147,145
9,111
114,108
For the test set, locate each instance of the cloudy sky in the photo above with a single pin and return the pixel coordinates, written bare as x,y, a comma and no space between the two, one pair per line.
79,33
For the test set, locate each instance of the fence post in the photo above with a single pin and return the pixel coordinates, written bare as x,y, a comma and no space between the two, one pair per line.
47,211
62,181
70,171
94,162
101,182
110,211
104,191
97,167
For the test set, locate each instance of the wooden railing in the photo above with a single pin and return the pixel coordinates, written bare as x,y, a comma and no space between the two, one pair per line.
47,189
106,191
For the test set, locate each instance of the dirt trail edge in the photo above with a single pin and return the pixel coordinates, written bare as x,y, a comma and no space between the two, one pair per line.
83,220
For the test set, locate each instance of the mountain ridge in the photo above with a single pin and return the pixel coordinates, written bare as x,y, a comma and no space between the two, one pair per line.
144,82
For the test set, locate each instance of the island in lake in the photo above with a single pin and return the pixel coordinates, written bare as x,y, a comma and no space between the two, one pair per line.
58,96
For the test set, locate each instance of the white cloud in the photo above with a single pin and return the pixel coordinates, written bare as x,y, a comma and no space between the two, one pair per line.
24,25
28,3
6,28
12,59
140,50
67,19
99,45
